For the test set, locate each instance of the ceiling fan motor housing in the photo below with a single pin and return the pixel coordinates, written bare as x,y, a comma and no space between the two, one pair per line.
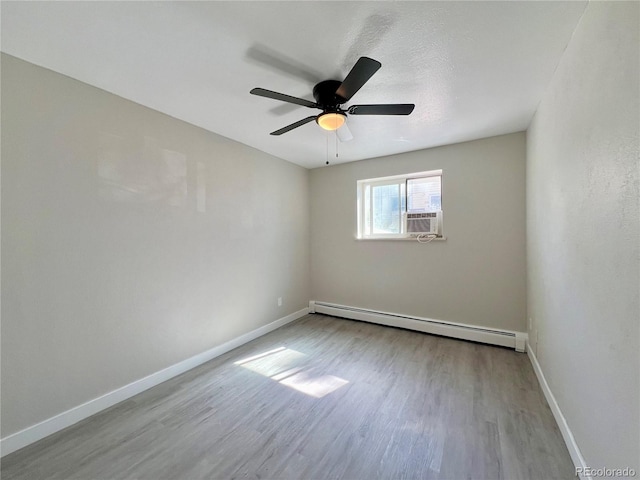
325,95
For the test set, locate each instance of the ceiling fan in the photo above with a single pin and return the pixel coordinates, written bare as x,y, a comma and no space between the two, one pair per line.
331,94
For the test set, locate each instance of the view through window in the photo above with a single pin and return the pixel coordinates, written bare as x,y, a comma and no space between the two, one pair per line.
400,206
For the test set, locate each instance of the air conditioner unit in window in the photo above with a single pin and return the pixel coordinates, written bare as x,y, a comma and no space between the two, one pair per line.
429,223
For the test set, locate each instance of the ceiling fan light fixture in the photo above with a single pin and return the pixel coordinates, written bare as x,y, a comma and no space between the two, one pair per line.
331,121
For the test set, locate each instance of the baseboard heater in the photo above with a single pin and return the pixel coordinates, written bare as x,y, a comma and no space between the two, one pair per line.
492,336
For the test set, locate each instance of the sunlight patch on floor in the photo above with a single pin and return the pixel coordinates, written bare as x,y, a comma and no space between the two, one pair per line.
260,355
292,369
314,385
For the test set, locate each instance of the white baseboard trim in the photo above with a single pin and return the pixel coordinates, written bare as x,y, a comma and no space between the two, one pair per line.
63,420
572,446
492,336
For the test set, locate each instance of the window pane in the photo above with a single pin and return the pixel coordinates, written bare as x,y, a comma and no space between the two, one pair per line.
386,208
424,194
367,210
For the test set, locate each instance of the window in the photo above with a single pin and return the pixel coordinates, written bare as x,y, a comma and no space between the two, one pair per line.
402,206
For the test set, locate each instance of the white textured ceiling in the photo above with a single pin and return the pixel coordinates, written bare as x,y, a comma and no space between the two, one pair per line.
473,69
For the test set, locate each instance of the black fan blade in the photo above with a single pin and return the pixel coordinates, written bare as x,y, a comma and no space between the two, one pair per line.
299,123
261,92
361,72
384,109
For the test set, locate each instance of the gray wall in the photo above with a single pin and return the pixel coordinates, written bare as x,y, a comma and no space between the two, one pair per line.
476,276
583,235
131,241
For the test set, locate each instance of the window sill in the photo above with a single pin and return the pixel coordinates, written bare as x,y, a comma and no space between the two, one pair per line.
414,239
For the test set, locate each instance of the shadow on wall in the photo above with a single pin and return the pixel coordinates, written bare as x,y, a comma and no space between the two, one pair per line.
149,175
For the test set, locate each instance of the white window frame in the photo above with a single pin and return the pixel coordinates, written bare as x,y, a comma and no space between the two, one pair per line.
390,180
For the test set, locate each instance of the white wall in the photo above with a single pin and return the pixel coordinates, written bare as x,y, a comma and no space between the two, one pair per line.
583,235
476,276
131,241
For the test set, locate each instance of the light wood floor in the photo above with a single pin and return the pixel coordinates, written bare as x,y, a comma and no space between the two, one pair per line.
325,398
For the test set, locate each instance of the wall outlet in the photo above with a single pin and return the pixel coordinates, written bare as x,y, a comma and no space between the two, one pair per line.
279,301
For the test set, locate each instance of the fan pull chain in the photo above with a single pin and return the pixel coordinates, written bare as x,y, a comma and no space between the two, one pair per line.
327,148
